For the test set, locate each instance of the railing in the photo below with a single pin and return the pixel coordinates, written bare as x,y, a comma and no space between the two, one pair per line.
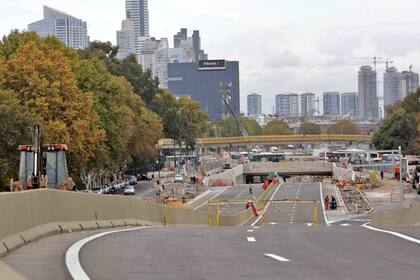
285,138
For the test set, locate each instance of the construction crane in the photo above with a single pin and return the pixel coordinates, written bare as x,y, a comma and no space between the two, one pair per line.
376,60
387,62
225,93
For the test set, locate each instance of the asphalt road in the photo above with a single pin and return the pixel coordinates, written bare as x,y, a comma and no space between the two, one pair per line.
278,211
233,199
277,252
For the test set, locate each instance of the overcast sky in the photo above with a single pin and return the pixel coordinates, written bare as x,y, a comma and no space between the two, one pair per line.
282,45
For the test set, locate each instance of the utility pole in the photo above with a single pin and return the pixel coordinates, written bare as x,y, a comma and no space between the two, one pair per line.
401,184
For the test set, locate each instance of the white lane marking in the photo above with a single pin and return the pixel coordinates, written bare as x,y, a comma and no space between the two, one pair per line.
72,254
198,197
277,258
309,224
345,225
256,227
397,234
273,224
250,230
294,204
251,239
266,206
213,197
323,206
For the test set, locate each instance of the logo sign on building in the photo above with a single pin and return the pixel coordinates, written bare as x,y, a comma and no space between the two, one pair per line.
211,65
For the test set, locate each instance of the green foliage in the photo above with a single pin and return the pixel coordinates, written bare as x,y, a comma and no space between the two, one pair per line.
402,126
309,128
346,127
15,124
76,100
277,128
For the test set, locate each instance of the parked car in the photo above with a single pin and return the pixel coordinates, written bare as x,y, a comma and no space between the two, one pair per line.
179,178
129,190
98,190
133,180
145,177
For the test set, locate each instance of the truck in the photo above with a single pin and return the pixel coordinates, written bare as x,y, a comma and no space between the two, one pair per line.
409,165
42,165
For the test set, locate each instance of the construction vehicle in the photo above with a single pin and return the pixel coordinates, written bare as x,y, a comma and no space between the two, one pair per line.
42,166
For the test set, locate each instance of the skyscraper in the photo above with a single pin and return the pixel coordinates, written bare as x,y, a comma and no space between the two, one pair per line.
409,82
287,105
254,104
367,95
349,103
68,29
201,82
192,45
137,12
392,86
331,102
125,39
307,105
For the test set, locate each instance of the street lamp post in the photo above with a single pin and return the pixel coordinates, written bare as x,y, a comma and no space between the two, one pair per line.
401,184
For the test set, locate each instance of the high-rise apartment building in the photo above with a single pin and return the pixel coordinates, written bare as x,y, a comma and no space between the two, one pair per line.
409,82
368,106
201,82
392,86
287,105
307,105
125,39
349,104
254,104
137,13
331,102
154,57
68,29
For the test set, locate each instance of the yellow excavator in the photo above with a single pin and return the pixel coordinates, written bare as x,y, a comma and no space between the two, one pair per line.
42,166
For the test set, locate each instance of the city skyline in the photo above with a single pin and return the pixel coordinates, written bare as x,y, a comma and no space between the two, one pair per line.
324,57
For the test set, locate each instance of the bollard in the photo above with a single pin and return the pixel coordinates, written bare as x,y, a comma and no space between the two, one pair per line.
165,214
315,213
218,213
209,212
263,214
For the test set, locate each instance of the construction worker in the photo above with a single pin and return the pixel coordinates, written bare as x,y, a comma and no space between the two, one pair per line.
327,202
250,189
333,203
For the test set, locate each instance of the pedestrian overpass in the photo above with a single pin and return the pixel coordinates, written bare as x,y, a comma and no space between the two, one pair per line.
284,139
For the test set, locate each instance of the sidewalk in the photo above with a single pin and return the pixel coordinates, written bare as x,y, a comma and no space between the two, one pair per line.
380,198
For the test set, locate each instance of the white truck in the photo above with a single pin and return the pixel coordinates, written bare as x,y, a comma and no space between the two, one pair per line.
409,165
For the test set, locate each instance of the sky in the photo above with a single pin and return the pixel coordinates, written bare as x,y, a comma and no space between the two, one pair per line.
283,46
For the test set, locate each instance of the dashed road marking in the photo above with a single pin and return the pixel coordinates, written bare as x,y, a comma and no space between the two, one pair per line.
309,224
251,239
345,225
250,230
277,258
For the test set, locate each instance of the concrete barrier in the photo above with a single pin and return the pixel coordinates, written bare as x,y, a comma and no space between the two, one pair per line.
400,217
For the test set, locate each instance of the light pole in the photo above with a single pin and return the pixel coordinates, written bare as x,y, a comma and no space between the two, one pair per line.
401,184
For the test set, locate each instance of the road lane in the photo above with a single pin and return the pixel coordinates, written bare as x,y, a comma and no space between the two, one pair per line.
293,212
316,252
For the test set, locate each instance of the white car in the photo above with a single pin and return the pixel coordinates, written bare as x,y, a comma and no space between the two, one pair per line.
129,190
179,178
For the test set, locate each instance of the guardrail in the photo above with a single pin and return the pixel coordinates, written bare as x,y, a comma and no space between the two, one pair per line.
285,139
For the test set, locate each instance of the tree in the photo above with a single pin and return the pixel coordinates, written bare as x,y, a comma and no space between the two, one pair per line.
344,127
277,128
309,128
43,81
399,129
15,126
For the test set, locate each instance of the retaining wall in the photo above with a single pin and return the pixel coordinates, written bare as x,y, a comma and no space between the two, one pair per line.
229,175
401,217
